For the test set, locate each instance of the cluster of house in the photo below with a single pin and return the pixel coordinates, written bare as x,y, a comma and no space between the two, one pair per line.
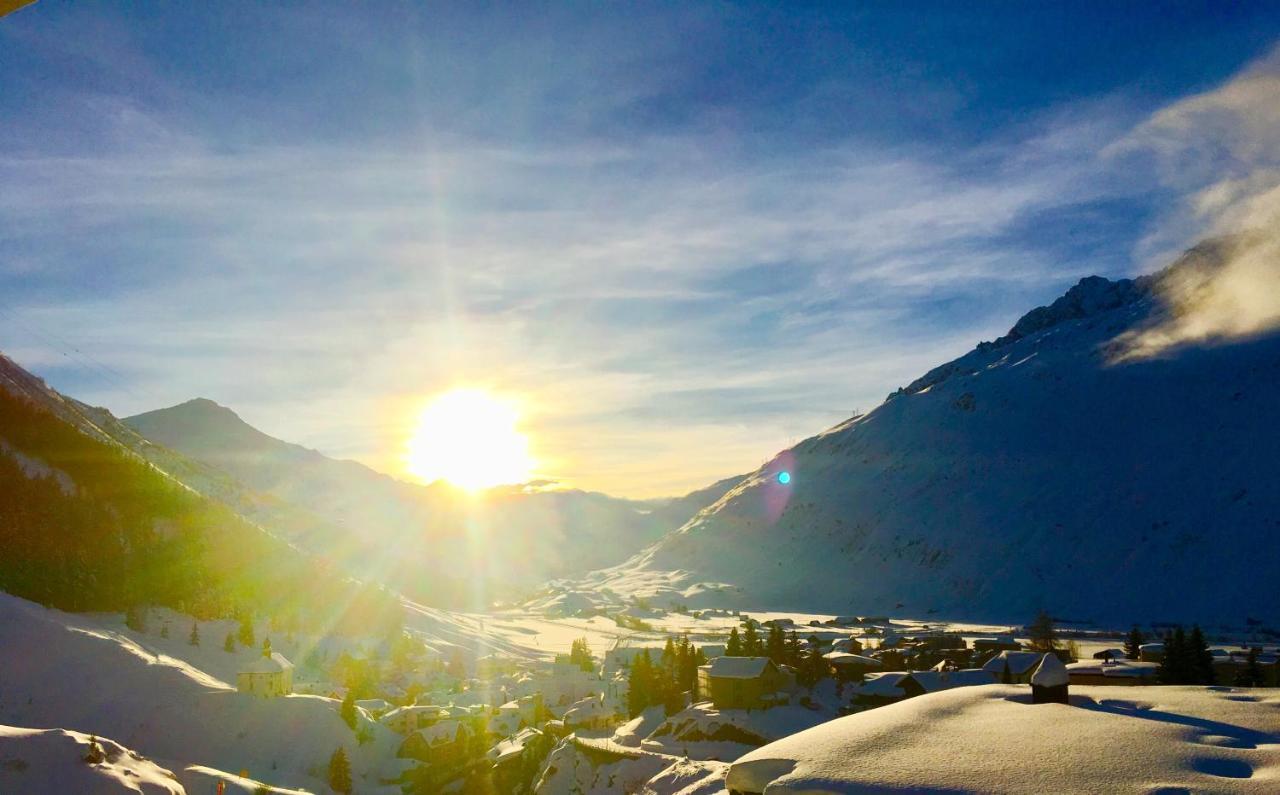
506,703
1109,666
509,704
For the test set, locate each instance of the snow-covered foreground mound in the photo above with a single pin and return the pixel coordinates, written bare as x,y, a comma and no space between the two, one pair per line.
993,739
76,673
52,760
1043,470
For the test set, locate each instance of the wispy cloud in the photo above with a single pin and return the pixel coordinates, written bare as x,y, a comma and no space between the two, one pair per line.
1221,151
675,295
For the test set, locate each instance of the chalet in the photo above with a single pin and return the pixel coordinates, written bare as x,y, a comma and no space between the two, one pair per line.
743,682
917,683
1013,667
435,743
266,676
1050,681
849,644
566,683
880,689
590,713
851,667
1112,672
405,720
1151,652
891,658
512,748
996,643
1230,665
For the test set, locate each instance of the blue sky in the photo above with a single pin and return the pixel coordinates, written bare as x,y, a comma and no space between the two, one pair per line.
683,235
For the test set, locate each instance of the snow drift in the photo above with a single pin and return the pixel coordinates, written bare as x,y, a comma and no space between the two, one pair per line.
993,739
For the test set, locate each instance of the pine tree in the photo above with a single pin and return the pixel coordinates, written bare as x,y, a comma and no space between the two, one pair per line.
638,684
1251,675
734,647
775,647
1175,668
194,638
340,772
793,651
813,668
230,644
687,659
246,632
580,655
751,646
95,754
1133,644
669,659
1043,636
348,710
1200,661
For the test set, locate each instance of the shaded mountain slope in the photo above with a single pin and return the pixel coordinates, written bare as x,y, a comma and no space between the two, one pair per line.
1041,470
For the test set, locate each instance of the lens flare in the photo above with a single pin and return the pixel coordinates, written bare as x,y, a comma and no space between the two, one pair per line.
470,438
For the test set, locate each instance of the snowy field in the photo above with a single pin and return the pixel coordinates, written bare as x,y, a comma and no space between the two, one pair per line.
157,697
530,634
992,739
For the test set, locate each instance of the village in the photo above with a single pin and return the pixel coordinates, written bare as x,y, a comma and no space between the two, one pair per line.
469,722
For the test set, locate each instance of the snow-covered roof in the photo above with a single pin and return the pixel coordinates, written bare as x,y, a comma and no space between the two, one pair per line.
944,742
1019,662
442,732
845,658
512,746
885,684
414,709
586,709
374,704
1050,673
933,681
737,667
274,664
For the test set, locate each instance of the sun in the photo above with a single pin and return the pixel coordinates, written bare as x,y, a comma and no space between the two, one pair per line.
469,438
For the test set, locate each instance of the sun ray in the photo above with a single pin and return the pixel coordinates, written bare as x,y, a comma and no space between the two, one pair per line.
469,438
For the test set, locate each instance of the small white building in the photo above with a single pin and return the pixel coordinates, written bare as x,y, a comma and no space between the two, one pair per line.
589,713
266,676
566,683
405,720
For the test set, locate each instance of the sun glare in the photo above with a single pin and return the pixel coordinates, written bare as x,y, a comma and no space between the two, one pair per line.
469,438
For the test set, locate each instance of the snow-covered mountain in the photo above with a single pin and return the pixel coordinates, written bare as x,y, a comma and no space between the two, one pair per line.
432,540
1050,468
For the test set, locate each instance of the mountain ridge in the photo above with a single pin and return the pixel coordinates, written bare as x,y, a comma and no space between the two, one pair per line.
404,530
996,483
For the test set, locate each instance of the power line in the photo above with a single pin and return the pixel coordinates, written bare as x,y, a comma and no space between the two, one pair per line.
73,354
